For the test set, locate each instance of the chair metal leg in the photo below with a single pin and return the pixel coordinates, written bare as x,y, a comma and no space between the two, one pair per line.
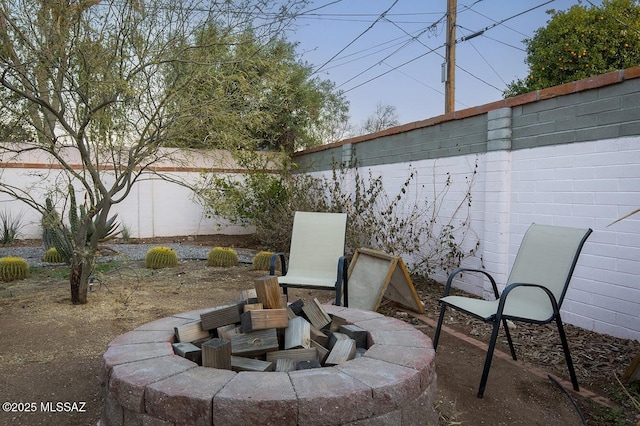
338,292
567,354
489,358
506,330
436,336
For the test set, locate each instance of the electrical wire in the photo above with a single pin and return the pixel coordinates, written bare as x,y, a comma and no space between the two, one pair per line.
354,40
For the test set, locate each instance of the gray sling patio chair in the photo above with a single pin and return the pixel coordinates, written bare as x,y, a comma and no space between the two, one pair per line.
533,293
316,255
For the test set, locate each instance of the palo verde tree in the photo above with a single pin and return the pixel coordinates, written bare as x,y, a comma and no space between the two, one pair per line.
95,84
580,43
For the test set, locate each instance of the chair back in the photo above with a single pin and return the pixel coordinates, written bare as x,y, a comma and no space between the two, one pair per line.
317,243
547,256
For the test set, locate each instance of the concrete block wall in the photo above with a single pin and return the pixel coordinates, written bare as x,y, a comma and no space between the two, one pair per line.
568,155
564,155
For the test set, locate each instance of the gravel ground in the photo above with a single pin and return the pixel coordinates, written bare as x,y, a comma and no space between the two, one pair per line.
33,255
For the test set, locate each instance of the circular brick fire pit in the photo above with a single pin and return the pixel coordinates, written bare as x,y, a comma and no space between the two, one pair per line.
393,383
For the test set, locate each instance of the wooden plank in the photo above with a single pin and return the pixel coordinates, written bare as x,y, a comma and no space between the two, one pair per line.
322,351
343,351
226,331
286,364
254,343
319,336
198,343
249,296
297,334
336,322
220,316
262,319
187,333
334,337
268,292
306,365
240,363
216,353
252,306
316,314
303,354
296,306
188,351
356,333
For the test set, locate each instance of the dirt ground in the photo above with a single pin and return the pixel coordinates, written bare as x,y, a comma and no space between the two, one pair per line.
50,350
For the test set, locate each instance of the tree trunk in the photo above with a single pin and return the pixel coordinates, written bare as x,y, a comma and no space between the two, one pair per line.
79,279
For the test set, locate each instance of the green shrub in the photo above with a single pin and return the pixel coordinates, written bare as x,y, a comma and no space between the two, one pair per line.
9,227
161,257
222,256
13,268
52,256
262,260
406,222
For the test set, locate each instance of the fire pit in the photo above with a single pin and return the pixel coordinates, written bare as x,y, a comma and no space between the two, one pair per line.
393,383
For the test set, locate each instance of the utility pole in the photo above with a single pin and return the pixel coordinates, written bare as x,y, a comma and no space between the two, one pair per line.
450,58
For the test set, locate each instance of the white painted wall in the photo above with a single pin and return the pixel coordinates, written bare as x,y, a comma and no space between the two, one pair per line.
588,184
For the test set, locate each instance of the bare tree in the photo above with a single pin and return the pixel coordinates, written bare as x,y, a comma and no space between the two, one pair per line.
95,83
384,117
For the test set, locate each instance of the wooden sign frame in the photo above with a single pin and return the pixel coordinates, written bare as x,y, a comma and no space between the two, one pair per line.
374,275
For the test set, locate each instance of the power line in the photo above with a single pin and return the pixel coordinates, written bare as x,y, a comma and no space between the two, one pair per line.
354,40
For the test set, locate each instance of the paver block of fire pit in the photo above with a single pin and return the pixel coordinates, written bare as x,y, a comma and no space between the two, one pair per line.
328,396
186,398
257,398
167,323
192,315
349,315
405,338
128,381
420,411
383,324
143,336
122,354
420,359
393,385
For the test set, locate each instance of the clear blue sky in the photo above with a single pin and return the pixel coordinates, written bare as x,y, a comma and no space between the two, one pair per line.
396,59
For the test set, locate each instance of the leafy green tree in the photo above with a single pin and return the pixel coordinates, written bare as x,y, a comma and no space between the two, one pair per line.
580,43
95,83
258,94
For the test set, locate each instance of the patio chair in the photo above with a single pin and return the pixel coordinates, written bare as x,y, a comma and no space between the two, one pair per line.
534,290
316,255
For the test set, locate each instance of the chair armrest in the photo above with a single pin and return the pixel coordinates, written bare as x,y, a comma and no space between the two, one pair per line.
452,275
272,263
512,286
343,266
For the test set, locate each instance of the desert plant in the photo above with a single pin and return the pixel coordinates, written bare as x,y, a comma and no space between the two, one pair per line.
161,257
262,261
222,256
13,268
9,227
52,256
125,233
57,234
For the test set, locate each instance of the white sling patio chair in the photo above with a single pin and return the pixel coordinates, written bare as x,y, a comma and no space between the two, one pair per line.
534,290
316,255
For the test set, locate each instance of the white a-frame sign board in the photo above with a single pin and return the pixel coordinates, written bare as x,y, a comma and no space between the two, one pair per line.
374,275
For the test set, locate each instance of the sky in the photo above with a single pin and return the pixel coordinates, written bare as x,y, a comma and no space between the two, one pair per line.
390,52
